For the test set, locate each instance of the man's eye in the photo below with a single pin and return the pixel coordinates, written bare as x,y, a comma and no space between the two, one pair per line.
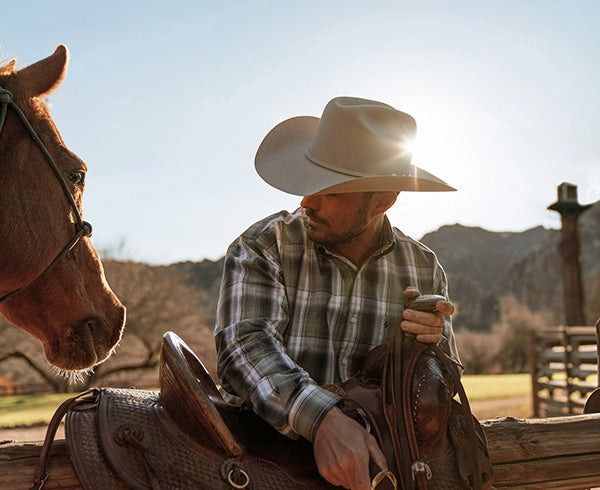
77,177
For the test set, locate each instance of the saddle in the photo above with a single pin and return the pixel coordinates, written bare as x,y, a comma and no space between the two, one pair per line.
187,436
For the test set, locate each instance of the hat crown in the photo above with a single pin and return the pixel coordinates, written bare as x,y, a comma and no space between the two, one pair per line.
363,137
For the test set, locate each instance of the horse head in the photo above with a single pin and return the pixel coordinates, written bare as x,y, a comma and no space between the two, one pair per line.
61,299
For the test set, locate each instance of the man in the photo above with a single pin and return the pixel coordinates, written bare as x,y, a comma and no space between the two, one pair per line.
305,296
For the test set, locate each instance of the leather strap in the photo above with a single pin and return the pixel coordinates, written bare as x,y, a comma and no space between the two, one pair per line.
450,367
82,228
41,475
420,471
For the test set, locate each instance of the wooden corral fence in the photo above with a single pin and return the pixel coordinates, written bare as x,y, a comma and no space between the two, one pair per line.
556,453
563,362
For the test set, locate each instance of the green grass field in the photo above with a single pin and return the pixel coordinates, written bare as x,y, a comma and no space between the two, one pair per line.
38,409
29,409
495,386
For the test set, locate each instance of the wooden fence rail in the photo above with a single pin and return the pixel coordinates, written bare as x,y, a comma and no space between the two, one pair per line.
563,362
557,453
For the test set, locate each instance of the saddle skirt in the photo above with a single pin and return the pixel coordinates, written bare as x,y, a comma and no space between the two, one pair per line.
123,438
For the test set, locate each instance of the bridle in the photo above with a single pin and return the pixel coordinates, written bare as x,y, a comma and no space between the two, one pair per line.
82,228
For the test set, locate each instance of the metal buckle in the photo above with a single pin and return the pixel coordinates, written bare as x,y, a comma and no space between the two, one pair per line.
39,483
245,478
382,475
420,467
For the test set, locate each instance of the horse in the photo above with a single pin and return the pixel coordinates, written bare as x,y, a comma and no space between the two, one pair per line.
52,283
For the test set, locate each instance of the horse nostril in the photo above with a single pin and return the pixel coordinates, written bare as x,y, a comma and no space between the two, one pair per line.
94,328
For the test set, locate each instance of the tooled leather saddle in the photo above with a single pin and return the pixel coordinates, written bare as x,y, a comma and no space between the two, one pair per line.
187,436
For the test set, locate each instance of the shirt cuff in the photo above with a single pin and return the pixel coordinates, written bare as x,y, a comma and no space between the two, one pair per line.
309,408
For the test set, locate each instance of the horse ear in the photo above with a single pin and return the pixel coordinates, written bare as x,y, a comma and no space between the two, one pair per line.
44,76
8,67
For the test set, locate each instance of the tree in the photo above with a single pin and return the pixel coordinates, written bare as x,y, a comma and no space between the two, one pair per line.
516,321
478,351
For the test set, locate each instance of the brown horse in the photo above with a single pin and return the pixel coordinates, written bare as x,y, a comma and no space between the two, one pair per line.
66,304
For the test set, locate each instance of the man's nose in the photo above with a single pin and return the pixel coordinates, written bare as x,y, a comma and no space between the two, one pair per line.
310,202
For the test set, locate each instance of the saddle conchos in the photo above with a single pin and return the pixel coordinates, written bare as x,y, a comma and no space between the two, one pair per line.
186,436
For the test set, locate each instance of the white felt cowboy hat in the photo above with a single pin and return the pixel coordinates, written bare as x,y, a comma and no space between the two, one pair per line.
358,145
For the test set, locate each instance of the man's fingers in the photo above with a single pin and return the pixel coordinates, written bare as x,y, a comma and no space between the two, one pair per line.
444,307
376,454
420,329
429,338
411,292
362,475
341,450
422,317
362,478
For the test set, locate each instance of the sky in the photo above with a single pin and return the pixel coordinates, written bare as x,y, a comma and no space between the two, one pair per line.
167,103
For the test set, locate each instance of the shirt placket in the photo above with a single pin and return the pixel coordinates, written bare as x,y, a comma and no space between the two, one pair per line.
351,321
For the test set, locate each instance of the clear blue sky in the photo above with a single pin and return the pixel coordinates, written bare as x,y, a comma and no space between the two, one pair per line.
168,101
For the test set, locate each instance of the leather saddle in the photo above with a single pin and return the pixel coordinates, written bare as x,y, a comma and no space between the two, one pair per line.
187,436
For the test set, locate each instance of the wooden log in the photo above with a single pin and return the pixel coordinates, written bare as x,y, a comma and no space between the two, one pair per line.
513,440
559,453
18,463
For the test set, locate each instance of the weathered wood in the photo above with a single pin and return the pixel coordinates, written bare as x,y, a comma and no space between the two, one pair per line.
19,461
512,440
561,360
533,369
586,482
558,453
541,472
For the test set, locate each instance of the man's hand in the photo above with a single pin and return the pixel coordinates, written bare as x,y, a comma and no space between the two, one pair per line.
343,449
428,327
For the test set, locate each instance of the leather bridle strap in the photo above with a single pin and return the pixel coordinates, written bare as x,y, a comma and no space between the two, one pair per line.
82,228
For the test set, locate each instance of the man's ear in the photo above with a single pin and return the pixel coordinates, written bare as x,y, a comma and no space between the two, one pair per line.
384,201
44,76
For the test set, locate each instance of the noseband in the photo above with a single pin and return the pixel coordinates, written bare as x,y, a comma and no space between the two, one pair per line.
82,228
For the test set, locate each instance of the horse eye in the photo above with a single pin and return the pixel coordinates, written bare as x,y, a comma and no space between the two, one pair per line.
77,177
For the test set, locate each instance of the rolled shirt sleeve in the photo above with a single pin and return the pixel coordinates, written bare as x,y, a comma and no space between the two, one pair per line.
253,364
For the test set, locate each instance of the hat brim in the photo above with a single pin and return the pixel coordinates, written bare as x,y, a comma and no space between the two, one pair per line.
281,161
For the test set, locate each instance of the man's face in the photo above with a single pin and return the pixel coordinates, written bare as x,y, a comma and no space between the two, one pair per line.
332,219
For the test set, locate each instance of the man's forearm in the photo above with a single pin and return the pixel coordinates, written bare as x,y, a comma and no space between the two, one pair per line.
255,365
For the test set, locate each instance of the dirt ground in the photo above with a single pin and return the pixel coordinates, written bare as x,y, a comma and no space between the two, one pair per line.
487,409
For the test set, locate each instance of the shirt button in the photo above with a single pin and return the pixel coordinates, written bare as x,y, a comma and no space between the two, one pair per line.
344,362
353,319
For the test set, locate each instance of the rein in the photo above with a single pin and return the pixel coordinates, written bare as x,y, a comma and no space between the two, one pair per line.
82,228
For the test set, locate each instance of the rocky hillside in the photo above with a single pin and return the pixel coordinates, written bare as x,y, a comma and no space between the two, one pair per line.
475,261
483,266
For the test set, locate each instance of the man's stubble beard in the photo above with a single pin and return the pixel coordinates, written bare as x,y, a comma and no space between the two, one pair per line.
357,229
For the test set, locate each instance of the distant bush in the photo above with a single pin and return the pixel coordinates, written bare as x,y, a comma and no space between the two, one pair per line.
505,348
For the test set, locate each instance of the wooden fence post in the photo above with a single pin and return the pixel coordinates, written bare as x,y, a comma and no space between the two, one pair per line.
533,367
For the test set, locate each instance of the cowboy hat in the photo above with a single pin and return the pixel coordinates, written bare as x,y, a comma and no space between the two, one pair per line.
358,145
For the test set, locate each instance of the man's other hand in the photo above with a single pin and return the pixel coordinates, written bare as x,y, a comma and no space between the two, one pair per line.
343,448
428,327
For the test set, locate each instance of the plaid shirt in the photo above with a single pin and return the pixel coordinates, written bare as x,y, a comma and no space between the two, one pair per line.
292,316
